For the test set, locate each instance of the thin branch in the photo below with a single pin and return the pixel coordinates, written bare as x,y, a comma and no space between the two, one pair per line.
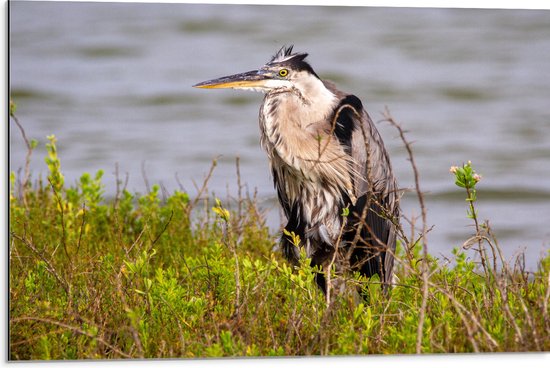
422,313
49,267
161,232
27,176
74,329
239,187
133,331
202,189
145,178
82,228
333,259
61,206
545,302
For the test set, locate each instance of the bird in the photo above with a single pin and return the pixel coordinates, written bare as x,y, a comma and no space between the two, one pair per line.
331,171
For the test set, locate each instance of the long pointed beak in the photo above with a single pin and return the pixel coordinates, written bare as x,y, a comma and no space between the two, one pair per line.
251,79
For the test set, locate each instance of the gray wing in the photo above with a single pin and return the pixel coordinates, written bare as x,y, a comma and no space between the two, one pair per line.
375,188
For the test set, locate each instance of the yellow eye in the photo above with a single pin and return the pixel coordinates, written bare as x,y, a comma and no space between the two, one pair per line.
283,72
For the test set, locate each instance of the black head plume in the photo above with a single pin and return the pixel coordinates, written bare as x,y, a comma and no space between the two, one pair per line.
294,61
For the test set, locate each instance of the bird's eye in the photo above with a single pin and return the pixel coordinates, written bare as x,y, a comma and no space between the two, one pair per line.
283,72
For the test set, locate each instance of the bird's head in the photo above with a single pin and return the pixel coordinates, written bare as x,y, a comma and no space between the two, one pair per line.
285,71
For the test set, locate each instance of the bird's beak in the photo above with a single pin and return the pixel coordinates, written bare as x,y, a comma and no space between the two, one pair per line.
251,79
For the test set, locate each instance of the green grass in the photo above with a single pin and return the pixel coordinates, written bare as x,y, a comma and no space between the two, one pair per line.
143,277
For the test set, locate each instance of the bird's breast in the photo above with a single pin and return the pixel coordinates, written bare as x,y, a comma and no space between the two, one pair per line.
302,141
317,203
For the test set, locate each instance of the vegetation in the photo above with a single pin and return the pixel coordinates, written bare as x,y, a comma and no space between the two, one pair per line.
141,276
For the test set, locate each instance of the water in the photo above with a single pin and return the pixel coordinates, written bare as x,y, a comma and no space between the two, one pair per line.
113,83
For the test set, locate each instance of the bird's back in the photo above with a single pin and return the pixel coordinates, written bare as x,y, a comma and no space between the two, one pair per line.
371,232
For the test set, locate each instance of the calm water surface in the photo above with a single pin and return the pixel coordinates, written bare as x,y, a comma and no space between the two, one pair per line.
113,83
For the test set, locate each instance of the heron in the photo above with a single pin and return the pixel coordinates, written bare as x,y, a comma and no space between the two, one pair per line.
331,171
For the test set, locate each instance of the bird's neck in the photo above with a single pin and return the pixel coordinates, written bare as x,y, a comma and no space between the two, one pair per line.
313,92
308,103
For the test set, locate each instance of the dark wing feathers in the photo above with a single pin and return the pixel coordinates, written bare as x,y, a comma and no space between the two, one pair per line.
374,190
292,213
345,120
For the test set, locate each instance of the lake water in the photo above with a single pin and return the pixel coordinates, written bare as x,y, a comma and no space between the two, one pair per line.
113,83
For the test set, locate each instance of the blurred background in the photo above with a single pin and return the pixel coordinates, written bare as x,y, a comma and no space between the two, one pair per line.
113,82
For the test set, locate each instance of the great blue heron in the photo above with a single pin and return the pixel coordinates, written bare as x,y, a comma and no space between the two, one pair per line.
328,161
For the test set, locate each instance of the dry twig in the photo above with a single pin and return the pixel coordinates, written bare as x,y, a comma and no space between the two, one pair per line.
425,268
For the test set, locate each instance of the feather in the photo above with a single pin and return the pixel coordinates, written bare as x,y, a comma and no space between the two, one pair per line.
325,155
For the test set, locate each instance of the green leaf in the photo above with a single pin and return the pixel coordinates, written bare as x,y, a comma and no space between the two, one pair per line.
13,108
345,212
